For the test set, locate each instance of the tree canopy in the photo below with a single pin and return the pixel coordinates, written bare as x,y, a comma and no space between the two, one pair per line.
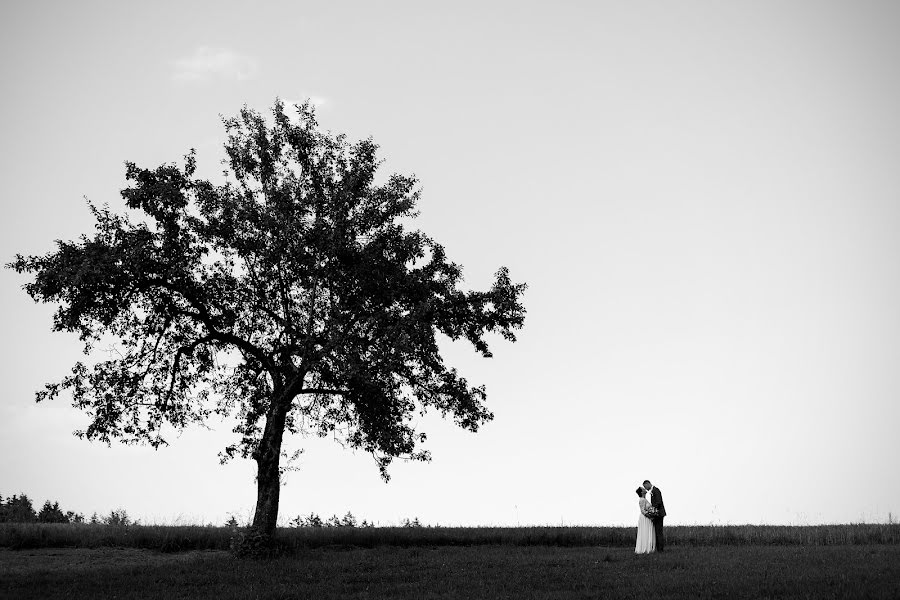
293,296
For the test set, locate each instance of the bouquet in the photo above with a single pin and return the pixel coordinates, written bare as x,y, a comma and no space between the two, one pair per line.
651,512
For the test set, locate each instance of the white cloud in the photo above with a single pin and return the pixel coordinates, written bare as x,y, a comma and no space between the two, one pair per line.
208,63
317,101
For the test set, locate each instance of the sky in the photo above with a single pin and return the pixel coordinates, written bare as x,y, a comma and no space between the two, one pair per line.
703,198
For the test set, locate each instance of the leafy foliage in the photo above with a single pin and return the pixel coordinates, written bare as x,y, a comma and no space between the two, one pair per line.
292,297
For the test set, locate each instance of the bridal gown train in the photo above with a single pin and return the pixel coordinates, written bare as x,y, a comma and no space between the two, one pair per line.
646,535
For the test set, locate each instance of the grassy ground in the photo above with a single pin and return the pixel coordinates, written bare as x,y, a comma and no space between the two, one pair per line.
487,571
23,536
96,561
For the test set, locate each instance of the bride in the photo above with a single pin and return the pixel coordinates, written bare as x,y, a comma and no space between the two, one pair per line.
646,536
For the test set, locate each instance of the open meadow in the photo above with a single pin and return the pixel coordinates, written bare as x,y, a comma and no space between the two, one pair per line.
847,561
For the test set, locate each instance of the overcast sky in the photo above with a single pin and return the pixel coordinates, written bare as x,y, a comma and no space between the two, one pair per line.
703,197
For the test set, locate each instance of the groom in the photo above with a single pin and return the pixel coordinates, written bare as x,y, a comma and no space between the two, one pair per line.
656,501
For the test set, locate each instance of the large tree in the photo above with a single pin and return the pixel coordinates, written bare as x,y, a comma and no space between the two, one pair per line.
293,296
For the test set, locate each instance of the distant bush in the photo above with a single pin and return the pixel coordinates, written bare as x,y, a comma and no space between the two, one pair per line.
73,517
314,520
311,520
118,518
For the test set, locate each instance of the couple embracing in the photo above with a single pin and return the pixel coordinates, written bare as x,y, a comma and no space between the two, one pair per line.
650,536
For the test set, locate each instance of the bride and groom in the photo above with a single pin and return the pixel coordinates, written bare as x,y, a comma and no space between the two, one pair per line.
650,536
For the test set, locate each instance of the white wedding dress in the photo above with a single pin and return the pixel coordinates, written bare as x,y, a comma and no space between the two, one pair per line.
646,535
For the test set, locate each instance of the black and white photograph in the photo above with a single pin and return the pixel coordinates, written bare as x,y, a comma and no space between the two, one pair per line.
420,300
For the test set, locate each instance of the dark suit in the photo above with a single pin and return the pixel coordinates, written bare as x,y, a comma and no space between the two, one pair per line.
656,501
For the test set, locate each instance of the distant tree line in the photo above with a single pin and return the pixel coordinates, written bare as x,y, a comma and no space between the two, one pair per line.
20,509
348,520
313,520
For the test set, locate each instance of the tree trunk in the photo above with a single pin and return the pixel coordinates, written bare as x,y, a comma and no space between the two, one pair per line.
268,477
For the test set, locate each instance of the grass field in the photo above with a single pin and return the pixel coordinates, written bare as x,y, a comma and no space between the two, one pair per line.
490,571
835,561
21,536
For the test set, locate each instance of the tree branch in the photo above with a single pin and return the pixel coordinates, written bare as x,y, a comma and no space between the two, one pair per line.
323,391
202,315
183,351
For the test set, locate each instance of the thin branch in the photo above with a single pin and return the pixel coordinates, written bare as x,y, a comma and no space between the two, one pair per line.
323,391
183,351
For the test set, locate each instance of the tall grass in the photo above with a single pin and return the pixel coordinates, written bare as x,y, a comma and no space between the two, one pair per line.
82,535
184,538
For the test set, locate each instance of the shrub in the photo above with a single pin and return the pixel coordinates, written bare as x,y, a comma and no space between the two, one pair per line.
74,517
118,518
311,520
333,521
